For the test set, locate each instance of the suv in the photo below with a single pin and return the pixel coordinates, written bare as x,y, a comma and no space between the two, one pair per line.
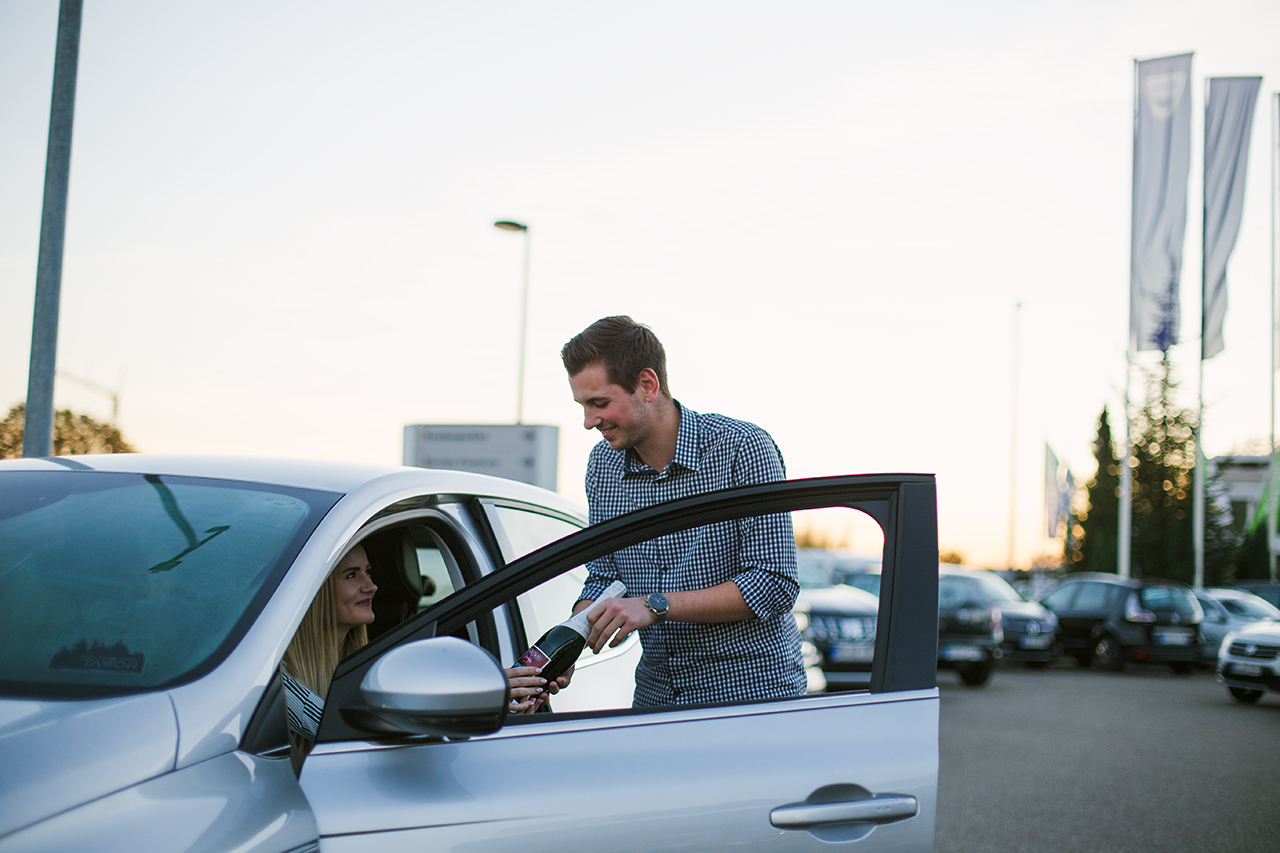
969,632
1249,661
1107,620
1227,610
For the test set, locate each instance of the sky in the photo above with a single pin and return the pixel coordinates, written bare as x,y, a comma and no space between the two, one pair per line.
896,236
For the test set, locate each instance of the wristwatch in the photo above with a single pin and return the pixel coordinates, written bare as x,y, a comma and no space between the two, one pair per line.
657,602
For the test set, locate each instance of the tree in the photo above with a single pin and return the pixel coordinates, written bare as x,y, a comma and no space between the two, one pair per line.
1163,501
73,435
1163,465
1090,544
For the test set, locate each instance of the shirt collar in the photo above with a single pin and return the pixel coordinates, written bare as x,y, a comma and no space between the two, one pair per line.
687,440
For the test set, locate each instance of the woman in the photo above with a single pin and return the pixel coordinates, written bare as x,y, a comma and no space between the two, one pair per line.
334,627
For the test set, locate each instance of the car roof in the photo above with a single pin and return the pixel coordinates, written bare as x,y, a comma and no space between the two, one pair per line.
319,474
1224,592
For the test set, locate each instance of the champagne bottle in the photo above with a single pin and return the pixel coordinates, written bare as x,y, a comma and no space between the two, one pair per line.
558,649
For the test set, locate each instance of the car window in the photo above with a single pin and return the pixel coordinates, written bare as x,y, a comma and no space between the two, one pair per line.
1169,599
121,583
1092,597
522,530
1250,608
867,581
995,588
953,592
1060,598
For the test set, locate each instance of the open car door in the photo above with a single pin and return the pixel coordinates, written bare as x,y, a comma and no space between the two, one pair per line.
783,774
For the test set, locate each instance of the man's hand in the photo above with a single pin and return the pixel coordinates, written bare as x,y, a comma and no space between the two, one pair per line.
617,618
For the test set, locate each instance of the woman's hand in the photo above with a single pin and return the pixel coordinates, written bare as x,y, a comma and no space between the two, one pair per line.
528,688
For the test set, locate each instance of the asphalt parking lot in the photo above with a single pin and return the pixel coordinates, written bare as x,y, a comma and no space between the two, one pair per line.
1070,759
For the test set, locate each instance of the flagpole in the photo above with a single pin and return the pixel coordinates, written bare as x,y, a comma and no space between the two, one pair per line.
1125,522
1013,440
1275,283
1198,472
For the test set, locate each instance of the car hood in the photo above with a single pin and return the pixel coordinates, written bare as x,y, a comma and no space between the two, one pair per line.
1023,609
1259,632
58,755
840,599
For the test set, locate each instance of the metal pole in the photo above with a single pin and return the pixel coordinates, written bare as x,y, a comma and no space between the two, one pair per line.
1013,441
37,437
1275,284
524,323
1198,472
1124,534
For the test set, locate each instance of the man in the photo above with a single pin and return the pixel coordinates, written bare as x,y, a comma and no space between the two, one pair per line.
713,604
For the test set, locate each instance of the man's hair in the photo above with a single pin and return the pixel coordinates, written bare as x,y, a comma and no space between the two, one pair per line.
623,346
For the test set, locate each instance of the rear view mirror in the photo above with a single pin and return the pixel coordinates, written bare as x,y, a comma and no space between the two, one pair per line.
443,686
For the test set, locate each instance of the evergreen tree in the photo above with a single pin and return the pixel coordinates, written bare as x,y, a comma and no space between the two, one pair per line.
1163,499
1090,545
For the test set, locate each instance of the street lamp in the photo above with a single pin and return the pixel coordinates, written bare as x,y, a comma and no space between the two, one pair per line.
507,225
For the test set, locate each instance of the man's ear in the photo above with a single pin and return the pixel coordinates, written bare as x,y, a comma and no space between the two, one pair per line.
648,386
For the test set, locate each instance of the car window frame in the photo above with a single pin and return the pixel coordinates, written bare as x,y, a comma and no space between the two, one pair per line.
904,505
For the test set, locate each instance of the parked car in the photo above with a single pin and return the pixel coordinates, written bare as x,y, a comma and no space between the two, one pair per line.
840,622
969,632
146,602
1030,631
1227,610
866,579
1267,591
1249,661
1107,621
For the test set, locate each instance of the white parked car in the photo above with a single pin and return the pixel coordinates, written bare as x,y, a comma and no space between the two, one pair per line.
1227,610
146,603
1249,661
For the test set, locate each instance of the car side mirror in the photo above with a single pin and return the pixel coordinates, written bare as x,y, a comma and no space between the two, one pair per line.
442,686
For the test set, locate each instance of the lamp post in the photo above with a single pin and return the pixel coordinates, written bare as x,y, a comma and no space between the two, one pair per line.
507,225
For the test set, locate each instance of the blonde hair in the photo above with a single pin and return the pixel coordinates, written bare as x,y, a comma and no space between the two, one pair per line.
313,654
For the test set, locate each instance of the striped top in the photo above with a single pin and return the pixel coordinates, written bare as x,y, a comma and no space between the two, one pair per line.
303,705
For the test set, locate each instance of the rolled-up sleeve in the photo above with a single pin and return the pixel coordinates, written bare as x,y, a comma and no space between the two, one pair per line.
766,574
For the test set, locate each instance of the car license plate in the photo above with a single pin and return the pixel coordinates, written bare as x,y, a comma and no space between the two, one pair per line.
852,652
1039,641
1246,669
1173,636
962,653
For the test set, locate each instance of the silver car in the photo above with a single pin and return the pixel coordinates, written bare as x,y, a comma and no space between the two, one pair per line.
146,603
1227,610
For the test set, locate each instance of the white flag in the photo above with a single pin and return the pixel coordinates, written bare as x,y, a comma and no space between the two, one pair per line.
1052,493
1228,121
1161,168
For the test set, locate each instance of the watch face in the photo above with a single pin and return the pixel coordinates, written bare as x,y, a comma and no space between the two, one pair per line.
657,602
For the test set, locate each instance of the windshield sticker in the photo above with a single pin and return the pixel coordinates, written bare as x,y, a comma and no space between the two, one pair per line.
98,656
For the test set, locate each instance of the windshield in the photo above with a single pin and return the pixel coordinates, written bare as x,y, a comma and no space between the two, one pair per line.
122,583
811,575
1250,608
1170,599
995,588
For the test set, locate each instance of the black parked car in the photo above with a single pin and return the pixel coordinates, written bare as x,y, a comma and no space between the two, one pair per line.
969,632
840,622
1107,621
1030,631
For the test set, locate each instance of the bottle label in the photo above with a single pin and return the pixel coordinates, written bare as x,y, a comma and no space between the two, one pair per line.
534,657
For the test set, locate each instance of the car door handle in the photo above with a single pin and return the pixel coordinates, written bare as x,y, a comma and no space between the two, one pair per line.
883,809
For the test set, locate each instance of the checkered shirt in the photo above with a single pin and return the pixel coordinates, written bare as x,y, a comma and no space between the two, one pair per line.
685,662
